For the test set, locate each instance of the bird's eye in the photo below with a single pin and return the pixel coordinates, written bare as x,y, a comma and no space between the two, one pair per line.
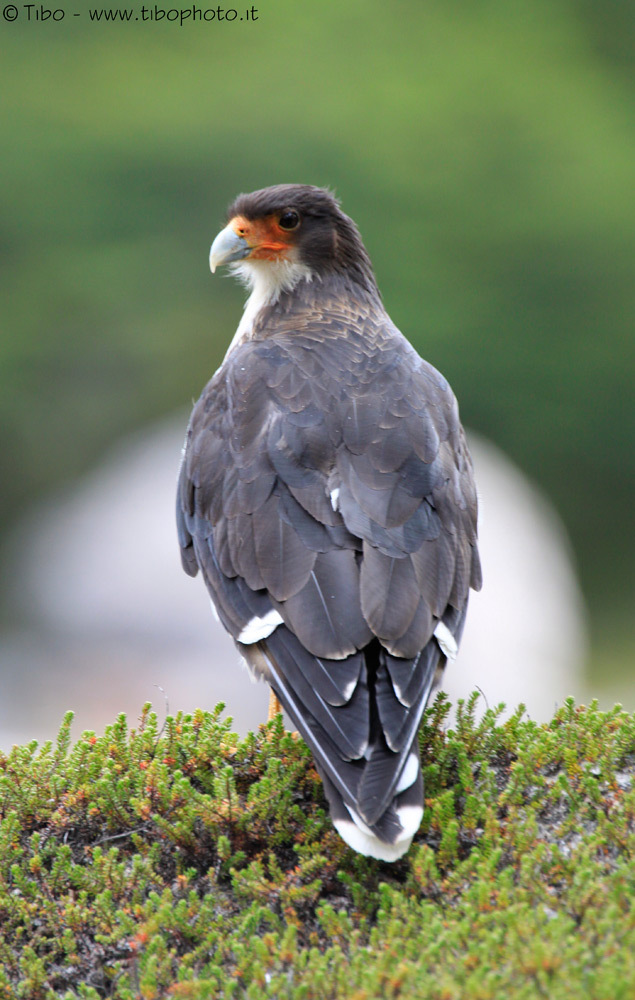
289,219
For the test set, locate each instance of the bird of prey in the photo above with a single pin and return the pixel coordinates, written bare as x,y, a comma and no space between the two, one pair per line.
326,494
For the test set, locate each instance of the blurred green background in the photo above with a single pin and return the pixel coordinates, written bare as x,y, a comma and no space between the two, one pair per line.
486,150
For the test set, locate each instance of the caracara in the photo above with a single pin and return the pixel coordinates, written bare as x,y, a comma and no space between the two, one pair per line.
326,494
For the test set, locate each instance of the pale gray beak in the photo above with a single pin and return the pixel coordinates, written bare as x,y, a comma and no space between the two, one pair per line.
228,246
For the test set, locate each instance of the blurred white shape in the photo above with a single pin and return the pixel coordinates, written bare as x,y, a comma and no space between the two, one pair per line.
525,638
109,618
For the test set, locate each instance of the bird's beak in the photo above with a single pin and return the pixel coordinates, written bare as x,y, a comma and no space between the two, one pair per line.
227,247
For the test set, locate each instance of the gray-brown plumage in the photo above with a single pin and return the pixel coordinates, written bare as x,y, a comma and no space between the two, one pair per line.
326,494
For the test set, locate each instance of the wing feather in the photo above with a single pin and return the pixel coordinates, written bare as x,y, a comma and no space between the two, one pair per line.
346,725
389,593
284,562
326,614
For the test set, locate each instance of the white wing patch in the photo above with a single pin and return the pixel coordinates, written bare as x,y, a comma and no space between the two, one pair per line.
260,628
335,499
446,641
347,693
409,774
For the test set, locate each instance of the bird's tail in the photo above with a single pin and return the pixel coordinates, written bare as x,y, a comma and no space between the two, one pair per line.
360,717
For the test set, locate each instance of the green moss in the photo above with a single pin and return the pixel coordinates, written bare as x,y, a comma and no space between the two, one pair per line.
184,862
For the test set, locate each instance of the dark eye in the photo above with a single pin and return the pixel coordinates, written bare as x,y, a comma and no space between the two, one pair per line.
289,219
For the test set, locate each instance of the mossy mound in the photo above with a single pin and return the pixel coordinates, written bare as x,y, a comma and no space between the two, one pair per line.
184,862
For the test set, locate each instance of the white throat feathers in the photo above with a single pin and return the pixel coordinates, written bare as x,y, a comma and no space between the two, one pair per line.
266,280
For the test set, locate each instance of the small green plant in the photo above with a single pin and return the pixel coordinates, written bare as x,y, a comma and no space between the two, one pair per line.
182,861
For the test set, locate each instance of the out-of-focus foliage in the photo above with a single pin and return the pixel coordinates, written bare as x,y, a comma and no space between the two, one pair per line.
486,151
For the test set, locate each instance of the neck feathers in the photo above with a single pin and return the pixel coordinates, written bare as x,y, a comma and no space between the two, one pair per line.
298,291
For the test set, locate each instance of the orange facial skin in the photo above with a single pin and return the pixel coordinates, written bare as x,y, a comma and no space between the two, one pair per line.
268,239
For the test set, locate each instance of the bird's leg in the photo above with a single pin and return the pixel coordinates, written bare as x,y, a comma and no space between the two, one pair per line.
274,706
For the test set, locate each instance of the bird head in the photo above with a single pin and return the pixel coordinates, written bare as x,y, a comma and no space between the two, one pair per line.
294,230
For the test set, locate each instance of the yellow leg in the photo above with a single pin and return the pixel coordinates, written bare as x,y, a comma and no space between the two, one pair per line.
274,706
